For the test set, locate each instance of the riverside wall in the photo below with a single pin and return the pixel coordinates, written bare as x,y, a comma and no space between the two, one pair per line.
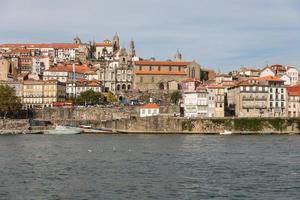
13,126
126,120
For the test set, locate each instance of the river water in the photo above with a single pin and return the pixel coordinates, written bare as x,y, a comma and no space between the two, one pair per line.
149,167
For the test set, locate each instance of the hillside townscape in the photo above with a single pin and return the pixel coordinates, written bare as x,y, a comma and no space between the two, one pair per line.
60,75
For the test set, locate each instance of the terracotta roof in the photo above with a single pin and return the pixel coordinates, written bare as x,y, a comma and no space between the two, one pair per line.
161,63
104,44
214,86
15,51
269,78
53,45
293,90
69,68
150,106
156,72
85,82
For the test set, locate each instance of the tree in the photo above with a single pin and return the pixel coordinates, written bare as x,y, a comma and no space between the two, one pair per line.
110,97
9,102
90,97
175,96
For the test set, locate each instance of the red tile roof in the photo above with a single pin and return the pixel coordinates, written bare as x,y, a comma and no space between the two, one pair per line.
215,86
53,45
104,44
150,106
69,68
293,90
156,72
161,63
269,78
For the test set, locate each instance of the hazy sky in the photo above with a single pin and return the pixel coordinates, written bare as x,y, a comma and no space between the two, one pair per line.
218,34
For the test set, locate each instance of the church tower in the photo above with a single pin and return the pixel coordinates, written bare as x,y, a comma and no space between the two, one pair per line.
116,43
178,56
77,40
132,49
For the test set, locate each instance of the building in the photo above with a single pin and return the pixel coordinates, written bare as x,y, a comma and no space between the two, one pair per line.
249,98
152,75
73,89
54,91
293,73
40,94
258,97
293,94
64,73
249,72
194,99
124,71
277,96
217,95
149,110
7,70
104,50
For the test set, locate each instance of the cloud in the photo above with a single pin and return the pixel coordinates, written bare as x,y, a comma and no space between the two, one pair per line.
216,33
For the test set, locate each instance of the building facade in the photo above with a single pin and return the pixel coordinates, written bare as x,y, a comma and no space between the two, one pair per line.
163,75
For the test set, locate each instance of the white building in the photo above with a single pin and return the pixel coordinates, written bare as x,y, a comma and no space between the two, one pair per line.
64,73
104,50
293,73
149,110
267,72
286,79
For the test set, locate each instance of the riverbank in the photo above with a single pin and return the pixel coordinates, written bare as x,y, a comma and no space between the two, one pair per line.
166,125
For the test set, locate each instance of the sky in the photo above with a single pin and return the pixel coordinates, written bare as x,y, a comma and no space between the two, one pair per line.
218,34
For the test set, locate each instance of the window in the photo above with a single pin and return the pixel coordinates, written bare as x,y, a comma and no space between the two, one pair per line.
170,68
141,79
271,104
150,68
140,68
152,79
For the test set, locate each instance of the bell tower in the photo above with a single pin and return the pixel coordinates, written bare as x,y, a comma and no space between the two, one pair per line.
116,43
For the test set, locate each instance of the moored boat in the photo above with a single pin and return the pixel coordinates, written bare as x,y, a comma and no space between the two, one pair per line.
226,132
64,130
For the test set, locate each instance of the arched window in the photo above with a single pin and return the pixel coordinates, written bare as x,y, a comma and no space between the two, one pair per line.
161,86
128,87
123,87
118,87
193,73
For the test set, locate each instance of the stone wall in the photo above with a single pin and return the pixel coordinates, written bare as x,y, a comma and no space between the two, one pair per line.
14,124
95,114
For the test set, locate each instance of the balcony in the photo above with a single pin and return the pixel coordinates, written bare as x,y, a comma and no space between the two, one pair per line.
248,98
261,98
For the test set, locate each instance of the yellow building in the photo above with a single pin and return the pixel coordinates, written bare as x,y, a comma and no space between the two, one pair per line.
54,91
40,94
7,70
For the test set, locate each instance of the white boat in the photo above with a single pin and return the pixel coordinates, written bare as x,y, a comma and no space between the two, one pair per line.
226,132
65,130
